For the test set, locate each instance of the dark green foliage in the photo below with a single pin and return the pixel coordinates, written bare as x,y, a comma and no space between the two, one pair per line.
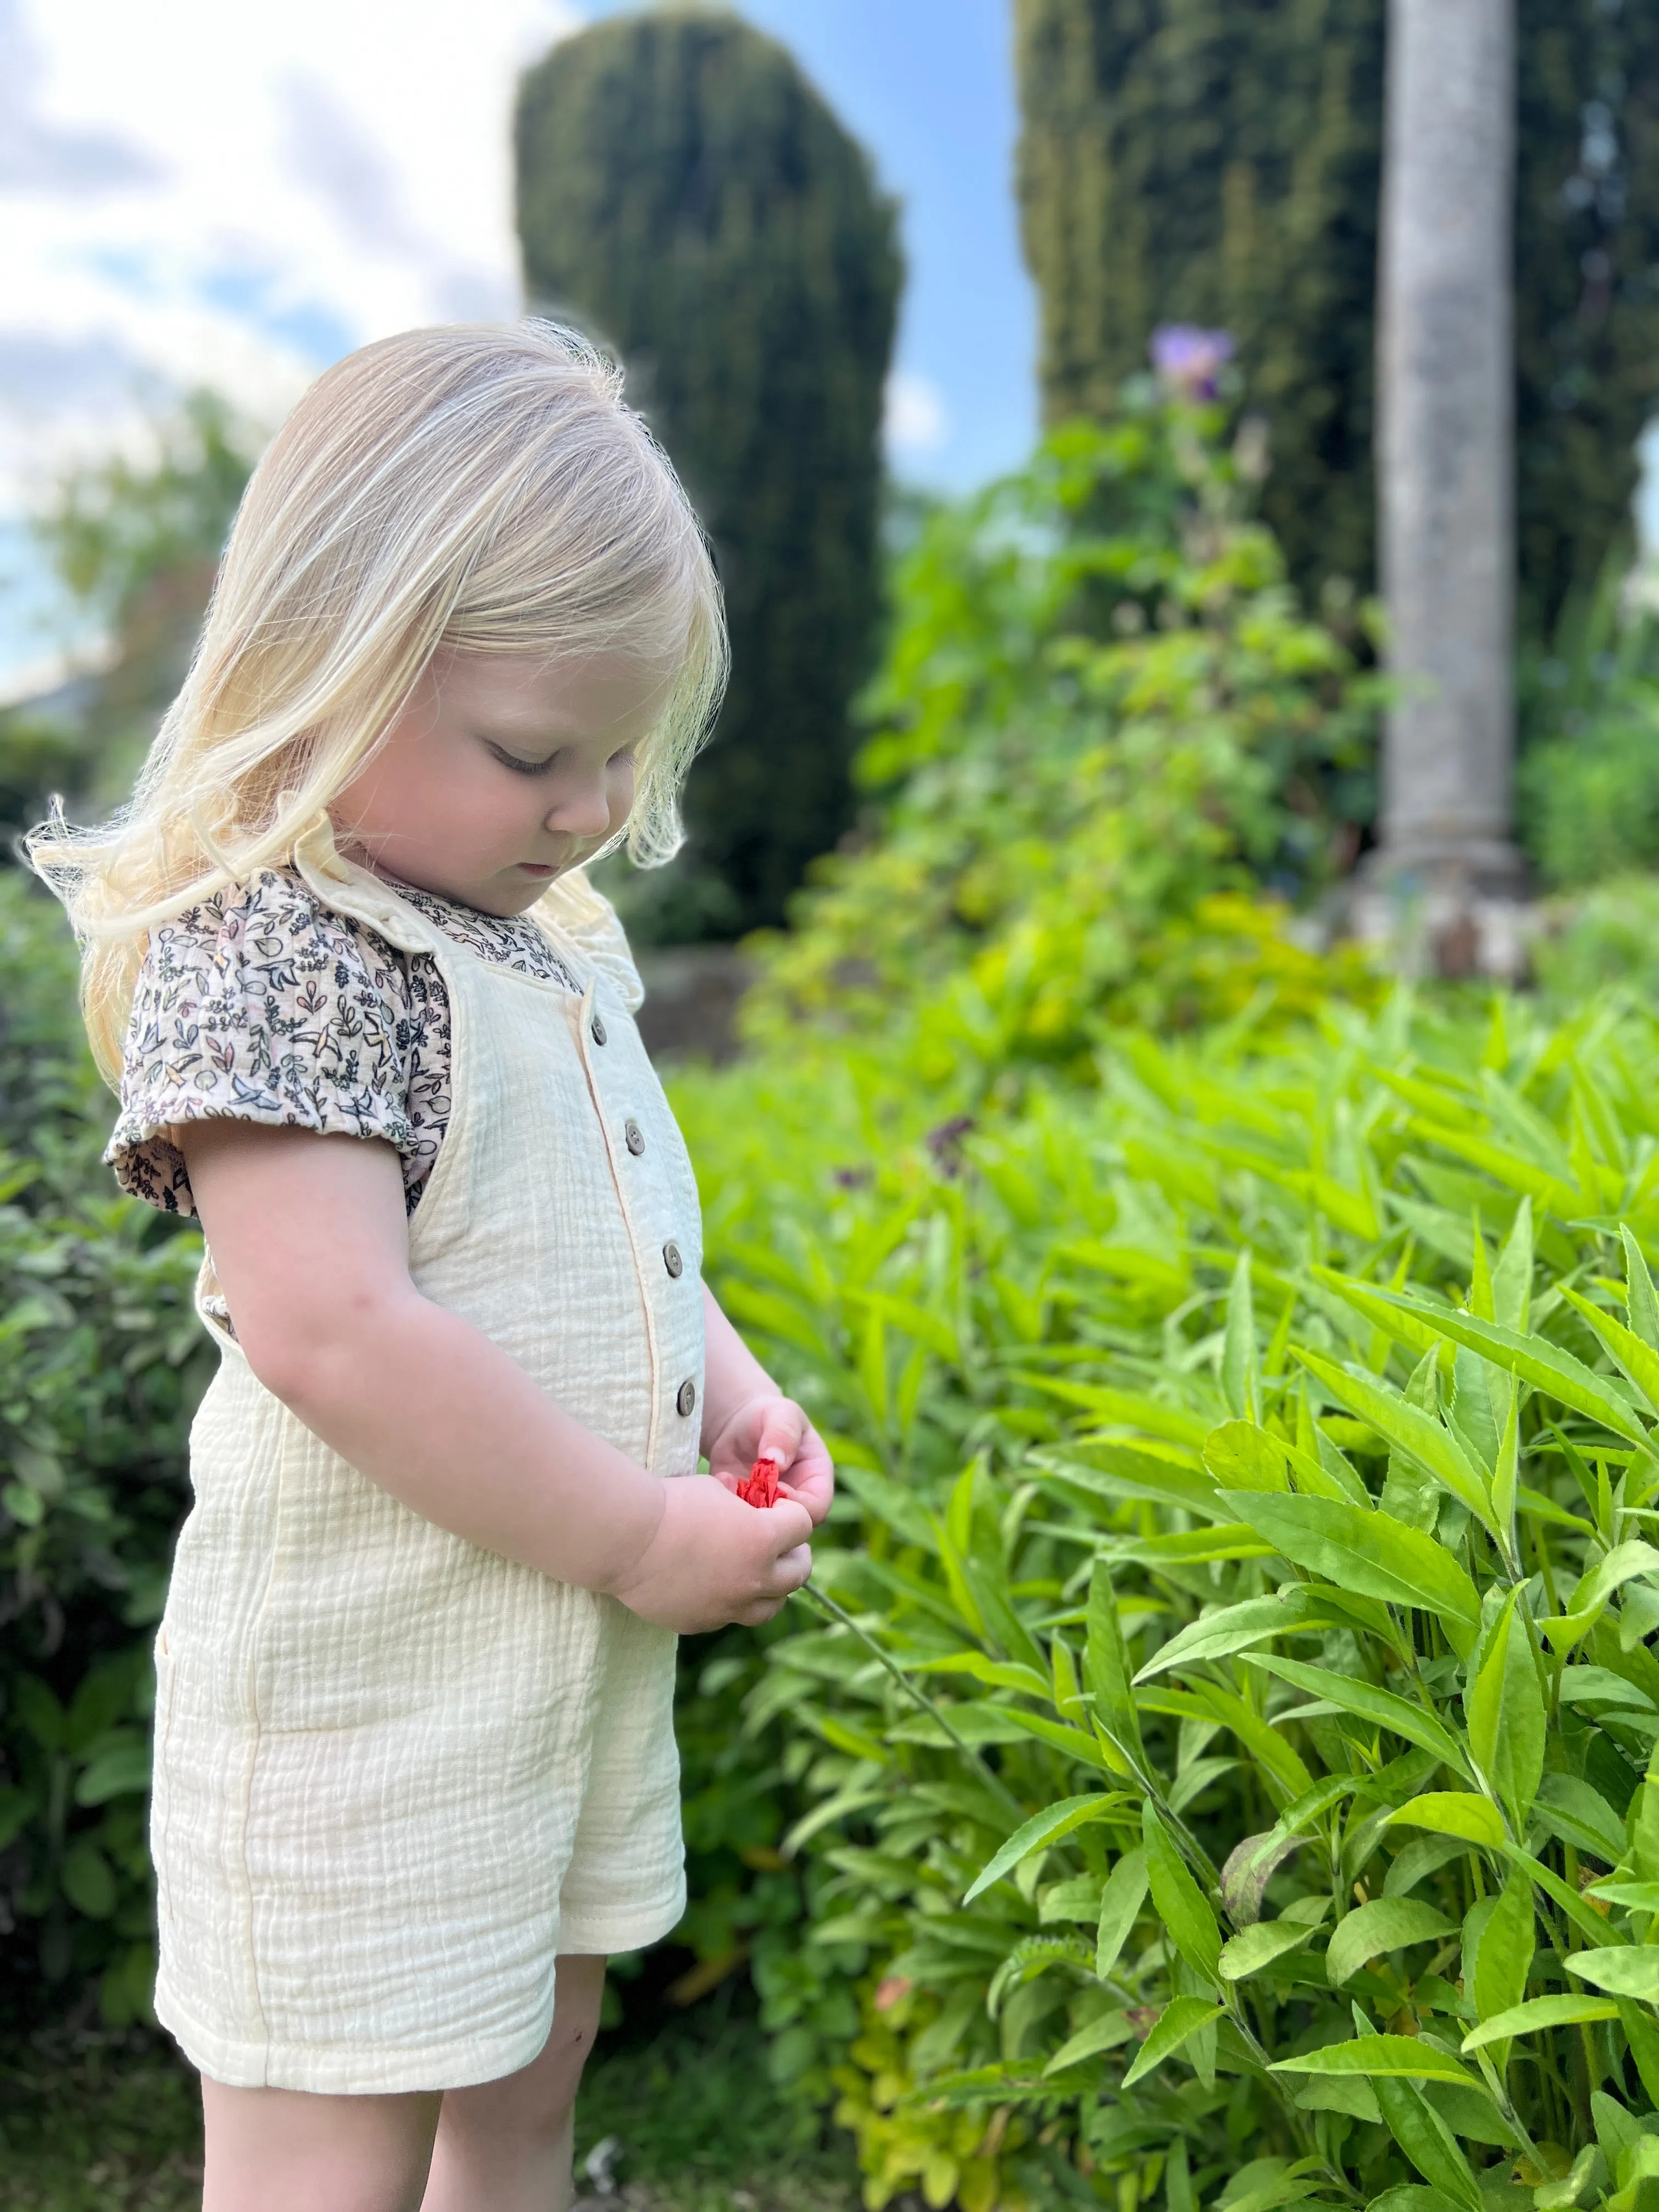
1187,162
100,1362
685,193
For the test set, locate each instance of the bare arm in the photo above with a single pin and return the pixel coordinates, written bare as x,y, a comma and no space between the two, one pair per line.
310,1244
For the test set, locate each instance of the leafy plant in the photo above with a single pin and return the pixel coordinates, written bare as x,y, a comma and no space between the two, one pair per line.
1229,1707
100,1362
1102,724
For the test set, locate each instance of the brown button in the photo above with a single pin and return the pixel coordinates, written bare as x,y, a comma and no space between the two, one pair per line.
671,1260
688,1397
596,1029
634,1138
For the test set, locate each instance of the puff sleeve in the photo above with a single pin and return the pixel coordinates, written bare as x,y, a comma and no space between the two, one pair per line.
263,1005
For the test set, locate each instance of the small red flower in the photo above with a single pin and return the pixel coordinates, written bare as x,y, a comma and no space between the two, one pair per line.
760,1485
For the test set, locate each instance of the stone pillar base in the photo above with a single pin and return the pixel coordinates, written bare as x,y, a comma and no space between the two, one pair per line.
1459,912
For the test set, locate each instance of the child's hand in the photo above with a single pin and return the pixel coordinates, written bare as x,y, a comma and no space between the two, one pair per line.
715,1560
775,1428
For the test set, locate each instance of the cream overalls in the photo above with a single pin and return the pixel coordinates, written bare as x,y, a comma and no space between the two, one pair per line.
395,1775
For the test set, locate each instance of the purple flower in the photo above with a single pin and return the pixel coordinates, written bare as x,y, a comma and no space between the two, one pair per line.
1191,360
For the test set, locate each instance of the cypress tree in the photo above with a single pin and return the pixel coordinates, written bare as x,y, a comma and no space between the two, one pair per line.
1218,161
685,194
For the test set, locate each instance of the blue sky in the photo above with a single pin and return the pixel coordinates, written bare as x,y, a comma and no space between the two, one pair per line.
233,196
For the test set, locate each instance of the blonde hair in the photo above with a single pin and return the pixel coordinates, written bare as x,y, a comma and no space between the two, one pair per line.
476,487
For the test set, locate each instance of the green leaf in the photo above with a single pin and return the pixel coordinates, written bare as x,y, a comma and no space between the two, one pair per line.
1640,1365
17,1808
86,1880
1584,1918
1410,1430
39,1710
1105,2034
1506,1716
1642,1304
1507,1946
1253,1949
1366,1300
1120,1908
1428,2142
1382,1708
1242,1456
1260,1736
1370,1553
1537,2014
1535,1359
1388,2057
1178,1900
1453,1813
1106,1667
121,1771
1233,1628
1511,1278
1413,2197
1386,1924
1634,1896
1240,1385
1624,1970
1041,1829
1580,1815
1506,1167
1622,1565
1178,2022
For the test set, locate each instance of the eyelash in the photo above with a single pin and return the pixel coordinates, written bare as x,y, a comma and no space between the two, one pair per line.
540,768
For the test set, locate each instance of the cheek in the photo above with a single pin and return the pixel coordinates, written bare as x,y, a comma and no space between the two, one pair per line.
621,787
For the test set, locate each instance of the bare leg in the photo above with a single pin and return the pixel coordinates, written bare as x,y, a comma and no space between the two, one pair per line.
273,2150
506,2144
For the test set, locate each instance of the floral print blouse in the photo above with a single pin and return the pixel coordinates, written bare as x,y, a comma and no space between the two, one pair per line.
263,1005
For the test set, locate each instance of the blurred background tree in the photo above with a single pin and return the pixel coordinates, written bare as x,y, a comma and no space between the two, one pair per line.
135,542
1183,163
686,195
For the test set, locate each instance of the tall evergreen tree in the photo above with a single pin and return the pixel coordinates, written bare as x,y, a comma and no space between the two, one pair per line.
1218,161
686,195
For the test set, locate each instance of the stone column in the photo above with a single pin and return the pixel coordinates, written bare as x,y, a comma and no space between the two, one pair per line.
1445,452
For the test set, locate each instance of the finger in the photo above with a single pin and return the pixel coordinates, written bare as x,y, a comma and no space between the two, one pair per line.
782,1433
792,1569
792,1528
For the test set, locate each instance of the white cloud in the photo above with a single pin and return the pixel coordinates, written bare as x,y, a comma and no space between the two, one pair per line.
35,150
232,195
916,421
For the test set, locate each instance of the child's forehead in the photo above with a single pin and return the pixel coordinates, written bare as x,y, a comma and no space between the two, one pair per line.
532,692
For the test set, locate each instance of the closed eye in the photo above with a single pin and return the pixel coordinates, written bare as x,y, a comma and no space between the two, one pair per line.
519,766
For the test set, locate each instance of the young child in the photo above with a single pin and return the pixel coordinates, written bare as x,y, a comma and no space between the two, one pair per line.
414,1766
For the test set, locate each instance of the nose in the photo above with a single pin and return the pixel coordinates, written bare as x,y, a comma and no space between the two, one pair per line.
583,812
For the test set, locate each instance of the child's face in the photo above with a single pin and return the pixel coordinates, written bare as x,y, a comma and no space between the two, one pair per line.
504,770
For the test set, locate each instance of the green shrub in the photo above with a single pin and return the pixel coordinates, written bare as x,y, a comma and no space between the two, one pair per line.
101,1360
1589,777
1101,726
685,192
1238,1700
1606,936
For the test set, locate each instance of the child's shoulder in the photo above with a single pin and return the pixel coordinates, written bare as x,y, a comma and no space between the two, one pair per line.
272,924
574,911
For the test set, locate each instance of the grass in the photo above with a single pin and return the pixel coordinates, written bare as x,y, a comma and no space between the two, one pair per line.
101,2123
